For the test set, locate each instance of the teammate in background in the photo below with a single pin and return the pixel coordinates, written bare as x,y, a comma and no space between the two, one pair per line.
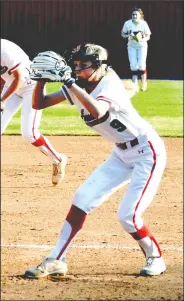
138,33
16,91
138,158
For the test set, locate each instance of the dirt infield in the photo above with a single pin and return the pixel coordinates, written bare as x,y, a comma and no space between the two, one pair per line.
33,211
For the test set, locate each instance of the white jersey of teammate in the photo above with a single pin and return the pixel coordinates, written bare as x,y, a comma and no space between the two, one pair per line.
122,122
142,27
13,58
10,62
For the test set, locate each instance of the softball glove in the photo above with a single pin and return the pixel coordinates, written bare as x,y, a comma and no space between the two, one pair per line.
52,67
137,37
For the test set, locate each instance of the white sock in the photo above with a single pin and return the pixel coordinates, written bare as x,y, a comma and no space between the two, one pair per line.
150,247
47,149
143,78
61,242
50,152
135,79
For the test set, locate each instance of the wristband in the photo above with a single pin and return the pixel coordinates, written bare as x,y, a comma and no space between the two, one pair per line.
69,82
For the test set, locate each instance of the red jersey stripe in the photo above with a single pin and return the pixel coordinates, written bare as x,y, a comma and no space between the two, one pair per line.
103,98
13,68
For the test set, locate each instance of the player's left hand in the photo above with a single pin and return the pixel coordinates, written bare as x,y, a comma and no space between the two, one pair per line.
52,67
50,75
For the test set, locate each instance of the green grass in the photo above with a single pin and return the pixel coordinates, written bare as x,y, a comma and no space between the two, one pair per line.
161,105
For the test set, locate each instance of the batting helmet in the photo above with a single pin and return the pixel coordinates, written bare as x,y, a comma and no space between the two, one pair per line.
87,52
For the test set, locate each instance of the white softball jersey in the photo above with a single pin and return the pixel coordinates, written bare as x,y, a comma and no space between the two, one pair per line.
122,122
10,63
13,57
142,27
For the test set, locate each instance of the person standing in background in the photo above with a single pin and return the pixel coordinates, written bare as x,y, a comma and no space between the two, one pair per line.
16,91
137,31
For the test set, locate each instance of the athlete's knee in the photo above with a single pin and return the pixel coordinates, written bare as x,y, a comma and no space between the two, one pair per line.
81,200
126,220
28,135
133,67
142,66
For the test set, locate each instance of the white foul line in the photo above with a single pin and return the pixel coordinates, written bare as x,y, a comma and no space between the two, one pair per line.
102,246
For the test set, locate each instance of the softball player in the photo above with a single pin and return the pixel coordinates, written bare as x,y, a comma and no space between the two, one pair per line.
138,158
17,92
138,33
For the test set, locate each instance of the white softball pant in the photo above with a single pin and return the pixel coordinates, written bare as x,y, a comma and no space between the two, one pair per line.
141,166
30,118
30,121
137,57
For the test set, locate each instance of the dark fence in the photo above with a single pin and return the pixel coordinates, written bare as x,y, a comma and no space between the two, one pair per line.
56,25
